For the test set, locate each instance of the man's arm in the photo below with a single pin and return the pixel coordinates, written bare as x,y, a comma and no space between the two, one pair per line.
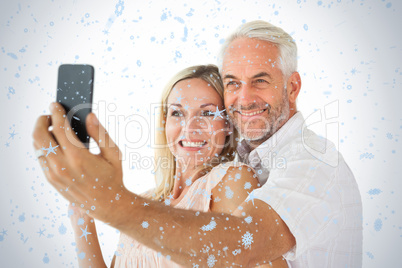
230,193
95,182
196,238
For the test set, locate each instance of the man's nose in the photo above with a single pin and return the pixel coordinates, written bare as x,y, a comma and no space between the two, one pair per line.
246,94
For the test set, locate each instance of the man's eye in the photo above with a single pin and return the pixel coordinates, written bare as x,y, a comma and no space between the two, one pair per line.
232,85
261,81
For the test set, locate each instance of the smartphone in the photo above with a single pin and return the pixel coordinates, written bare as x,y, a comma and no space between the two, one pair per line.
75,85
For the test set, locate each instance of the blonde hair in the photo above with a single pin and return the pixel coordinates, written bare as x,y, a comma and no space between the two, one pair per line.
265,31
165,167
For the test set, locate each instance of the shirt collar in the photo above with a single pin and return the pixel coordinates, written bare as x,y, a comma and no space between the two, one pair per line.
279,138
274,143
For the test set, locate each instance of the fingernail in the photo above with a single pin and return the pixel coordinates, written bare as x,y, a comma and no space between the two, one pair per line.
95,120
52,106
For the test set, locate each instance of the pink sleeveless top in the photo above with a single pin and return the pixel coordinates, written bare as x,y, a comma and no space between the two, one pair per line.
131,253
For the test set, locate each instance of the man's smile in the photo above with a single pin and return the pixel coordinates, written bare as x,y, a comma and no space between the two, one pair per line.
248,113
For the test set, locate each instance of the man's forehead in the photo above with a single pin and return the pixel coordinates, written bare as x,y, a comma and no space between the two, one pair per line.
248,52
254,47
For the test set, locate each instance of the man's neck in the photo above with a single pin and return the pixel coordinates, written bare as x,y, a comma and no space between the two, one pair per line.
255,143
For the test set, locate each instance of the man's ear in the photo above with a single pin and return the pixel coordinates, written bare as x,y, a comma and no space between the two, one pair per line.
294,85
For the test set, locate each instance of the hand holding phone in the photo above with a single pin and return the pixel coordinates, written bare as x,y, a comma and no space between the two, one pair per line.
74,93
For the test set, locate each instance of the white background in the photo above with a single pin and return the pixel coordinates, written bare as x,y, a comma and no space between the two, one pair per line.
349,52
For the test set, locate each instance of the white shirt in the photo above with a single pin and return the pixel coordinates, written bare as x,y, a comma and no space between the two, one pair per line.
307,182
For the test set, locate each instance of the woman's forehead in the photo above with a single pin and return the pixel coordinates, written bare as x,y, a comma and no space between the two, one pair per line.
194,92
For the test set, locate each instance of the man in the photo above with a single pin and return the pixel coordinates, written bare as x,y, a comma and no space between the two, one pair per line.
307,210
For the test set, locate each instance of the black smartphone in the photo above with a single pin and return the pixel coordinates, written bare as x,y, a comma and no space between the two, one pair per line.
74,91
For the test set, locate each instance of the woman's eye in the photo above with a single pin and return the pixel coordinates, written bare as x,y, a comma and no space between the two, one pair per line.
176,113
206,113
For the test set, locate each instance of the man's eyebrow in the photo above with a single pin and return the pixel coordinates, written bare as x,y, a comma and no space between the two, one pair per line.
207,104
262,74
229,76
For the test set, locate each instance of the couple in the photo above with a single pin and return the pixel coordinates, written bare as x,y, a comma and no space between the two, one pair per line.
307,213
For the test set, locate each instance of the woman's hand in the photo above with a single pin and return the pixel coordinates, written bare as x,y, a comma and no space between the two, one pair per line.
88,249
79,218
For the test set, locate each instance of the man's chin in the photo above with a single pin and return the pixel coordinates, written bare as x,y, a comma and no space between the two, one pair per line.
256,137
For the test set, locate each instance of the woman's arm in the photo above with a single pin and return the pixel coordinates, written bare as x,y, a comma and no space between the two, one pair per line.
88,249
231,191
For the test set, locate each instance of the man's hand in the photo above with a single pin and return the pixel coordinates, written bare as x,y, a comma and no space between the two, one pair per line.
92,182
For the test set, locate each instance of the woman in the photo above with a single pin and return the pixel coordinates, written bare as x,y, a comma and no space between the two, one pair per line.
195,171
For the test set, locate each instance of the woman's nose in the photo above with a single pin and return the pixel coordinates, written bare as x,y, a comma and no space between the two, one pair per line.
197,124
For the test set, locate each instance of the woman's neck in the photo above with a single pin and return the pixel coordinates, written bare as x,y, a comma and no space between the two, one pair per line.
185,176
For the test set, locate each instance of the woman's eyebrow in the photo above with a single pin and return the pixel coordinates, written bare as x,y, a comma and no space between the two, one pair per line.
175,104
207,104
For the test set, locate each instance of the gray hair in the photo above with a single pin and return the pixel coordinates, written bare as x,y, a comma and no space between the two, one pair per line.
265,31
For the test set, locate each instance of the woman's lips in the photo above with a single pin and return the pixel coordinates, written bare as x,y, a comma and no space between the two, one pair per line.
192,145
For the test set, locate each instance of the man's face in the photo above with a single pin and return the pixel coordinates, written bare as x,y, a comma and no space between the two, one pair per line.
256,98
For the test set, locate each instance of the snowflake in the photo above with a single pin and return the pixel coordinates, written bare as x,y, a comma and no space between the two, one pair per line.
229,193
237,177
188,182
217,199
236,251
247,239
195,265
249,219
145,224
211,261
209,227
367,155
205,249
80,221
217,113
378,225
247,185
375,191
370,255
119,8
167,202
389,136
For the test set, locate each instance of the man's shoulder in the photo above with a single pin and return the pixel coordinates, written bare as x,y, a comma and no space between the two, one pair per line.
307,145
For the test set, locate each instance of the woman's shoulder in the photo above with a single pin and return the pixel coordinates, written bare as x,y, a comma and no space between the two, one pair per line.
226,169
233,187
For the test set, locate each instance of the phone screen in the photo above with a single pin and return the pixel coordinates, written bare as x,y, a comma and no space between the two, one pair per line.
74,92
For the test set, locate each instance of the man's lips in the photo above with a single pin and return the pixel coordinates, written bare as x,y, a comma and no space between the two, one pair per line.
247,113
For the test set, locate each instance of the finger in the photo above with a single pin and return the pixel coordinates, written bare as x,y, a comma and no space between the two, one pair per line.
43,139
51,164
52,177
62,130
108,148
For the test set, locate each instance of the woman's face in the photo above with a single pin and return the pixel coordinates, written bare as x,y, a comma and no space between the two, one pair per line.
195,128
